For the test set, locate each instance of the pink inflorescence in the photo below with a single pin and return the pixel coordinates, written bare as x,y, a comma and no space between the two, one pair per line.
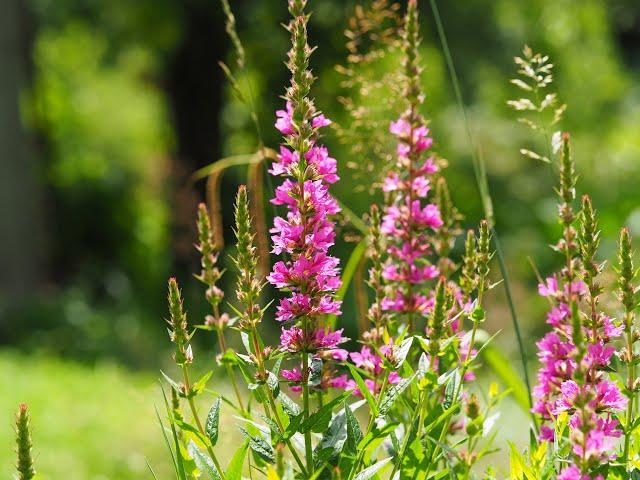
409,220
309,274
574,381
373,364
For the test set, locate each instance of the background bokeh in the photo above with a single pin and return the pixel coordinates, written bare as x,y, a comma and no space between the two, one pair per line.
108,107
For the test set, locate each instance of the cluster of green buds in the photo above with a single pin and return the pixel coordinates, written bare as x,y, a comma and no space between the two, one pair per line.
438,321
450,228
248,287
589,242
411,59
569,245
302,79
567,194
25,468
474,415
475,264
210,274
376,281
627,294
178,326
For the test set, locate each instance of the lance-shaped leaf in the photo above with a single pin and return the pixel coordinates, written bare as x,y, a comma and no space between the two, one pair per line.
315,372
453,389
260,446
354,433
234,470
364,390
290,407
213,422
401,352
319,420
372,470
392,394
203,462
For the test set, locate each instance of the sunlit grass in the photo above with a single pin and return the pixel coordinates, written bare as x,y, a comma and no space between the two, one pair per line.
88,422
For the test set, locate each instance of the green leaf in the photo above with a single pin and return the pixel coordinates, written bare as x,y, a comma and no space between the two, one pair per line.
364,390
178,460
315,372
503,368
478,314
290,407
173,383
234,470
453,389
202,461
260,446
392,394
198,387
273,383
401,352
423,366
332,440
319,420
186,427
213,422
354,433
372,470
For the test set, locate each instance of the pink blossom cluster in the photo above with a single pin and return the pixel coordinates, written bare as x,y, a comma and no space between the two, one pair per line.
309,275
409,219
574,381
372,364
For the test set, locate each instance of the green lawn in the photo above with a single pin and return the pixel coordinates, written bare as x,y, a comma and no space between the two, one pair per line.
89,423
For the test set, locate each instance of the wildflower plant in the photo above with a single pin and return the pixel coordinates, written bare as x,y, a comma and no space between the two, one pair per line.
401,400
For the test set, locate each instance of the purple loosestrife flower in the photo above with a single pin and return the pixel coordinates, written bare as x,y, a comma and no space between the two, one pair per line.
309,274
410,217
575,354
373,364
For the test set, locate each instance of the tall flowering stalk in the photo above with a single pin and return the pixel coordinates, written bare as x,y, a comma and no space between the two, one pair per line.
248,290
576,353
410,218
627,296
183,355
308,274
210,275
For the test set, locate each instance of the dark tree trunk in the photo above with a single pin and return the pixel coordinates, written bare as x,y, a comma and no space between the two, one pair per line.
194,87
21,228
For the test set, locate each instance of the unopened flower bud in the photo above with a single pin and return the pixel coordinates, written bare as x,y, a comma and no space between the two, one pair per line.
24,466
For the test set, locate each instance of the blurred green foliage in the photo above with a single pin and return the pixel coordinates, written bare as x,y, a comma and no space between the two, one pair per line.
99,102
109,144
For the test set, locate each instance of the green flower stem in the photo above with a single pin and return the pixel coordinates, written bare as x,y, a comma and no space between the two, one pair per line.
196,417
631,376
305,408
360,457
231,372
272,401
407,435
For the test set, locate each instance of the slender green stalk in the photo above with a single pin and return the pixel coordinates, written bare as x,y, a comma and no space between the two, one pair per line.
405,442
627,296
196,418
305,411
360,457
483,187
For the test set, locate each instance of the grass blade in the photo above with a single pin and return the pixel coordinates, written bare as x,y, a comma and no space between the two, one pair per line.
483,187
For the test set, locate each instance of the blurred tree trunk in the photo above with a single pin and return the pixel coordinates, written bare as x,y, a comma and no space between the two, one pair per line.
20,209
195,86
